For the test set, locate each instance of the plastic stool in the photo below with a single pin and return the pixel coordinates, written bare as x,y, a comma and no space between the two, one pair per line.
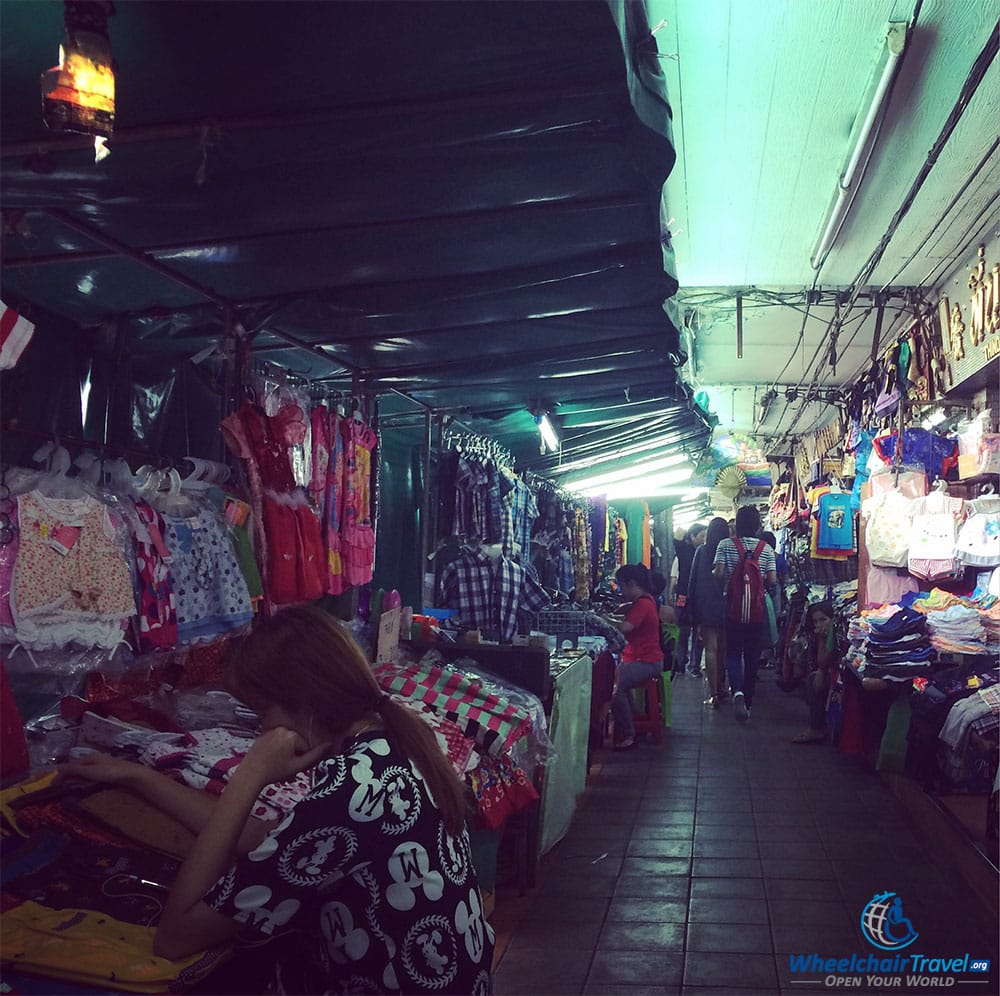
650,721
666,696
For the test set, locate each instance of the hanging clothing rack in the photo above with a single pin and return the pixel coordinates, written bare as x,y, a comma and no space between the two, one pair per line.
534,480
472,444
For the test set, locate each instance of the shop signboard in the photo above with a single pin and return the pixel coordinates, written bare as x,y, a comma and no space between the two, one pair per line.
970,324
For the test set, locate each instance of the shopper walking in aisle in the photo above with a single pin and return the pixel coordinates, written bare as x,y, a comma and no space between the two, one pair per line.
688,647
707,609
773,607
825,660
367,884
745,564
642,657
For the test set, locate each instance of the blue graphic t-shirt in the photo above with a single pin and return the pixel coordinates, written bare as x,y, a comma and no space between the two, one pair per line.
379,896
836,522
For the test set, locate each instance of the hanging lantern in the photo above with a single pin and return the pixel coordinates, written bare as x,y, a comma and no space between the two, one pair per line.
78,95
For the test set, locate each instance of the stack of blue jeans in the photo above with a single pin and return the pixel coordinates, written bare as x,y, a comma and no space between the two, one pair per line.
899,647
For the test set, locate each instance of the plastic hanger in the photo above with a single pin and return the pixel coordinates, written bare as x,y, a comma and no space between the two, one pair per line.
89,466
119,477
147,479
195,481
55,483
173,501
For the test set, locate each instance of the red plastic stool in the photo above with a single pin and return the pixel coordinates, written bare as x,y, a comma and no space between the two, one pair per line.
650,721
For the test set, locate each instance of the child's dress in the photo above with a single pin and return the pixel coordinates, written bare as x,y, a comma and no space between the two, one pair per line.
72,585
932,538
978,540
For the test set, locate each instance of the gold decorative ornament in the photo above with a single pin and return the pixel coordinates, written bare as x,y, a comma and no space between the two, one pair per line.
956,329
984,307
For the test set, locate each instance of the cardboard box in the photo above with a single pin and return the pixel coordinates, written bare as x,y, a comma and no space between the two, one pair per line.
986,461
968,465
989,454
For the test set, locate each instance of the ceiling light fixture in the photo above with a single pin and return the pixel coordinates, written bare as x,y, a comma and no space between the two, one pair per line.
78,95
615,456
642,488
549,436
635,470
641,485
862,138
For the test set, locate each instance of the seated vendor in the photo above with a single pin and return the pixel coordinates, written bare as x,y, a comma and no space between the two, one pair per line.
642,657
825,660
367,883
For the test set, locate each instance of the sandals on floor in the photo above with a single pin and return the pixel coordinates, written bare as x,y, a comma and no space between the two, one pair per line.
809,737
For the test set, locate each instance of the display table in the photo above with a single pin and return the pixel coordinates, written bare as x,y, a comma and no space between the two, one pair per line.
565,776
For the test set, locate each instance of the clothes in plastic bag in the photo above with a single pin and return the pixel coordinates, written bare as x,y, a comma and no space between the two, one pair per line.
484,714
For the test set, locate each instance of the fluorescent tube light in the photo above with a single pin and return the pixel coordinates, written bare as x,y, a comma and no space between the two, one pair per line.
634,470
688,516
661,442
640,487
864,129
550,440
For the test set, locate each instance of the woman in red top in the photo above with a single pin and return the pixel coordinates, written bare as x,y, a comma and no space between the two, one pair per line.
642,657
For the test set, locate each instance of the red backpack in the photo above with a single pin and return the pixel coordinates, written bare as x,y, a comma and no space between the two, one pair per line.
745,595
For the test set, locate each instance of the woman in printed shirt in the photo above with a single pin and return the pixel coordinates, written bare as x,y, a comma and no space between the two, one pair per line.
367,885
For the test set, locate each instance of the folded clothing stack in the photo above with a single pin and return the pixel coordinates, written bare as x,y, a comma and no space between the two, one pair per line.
957,629
899,647
990,619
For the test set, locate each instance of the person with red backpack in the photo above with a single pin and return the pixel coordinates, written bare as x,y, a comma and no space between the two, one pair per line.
746,566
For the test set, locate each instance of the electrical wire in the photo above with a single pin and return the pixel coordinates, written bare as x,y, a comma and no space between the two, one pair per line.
802,332
860,319
944,214
976,226
972,82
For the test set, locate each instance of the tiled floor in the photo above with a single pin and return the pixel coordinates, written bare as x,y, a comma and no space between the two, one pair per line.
698,866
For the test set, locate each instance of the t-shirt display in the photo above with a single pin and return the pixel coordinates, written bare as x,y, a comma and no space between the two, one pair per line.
836,522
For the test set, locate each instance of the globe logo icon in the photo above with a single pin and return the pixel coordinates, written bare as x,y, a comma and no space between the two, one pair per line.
883,922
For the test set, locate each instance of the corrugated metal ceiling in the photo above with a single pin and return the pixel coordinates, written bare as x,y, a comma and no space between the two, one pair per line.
459,202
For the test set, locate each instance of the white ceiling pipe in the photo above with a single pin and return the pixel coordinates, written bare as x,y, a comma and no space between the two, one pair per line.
866,121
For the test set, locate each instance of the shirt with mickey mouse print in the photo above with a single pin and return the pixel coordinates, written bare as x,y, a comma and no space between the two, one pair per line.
365,879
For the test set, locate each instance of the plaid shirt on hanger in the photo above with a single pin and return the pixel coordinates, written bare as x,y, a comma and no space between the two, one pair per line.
489,595
520,512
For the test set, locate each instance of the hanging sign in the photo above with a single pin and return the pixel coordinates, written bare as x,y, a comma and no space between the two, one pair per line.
971,338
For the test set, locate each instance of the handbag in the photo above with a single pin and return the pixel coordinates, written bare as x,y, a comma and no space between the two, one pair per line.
888,397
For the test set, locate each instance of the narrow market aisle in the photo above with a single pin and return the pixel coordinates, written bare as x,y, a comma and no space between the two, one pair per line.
701,865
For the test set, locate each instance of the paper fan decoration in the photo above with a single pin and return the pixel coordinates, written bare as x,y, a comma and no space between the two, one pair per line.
731,479
729,482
